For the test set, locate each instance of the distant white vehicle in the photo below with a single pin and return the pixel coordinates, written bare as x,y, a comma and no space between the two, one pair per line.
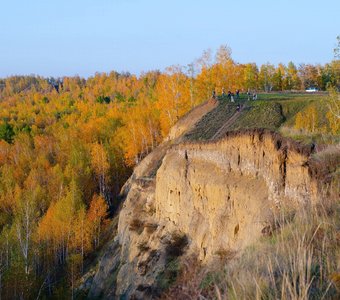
311,90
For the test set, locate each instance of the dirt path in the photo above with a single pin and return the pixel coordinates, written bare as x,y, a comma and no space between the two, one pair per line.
187,122
224,128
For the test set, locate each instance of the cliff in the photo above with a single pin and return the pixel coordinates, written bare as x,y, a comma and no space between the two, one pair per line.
205,199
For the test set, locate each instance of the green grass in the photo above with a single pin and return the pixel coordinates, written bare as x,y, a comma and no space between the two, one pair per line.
211,122
260,114
169,275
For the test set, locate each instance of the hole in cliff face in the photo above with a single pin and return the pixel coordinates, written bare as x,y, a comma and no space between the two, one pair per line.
278,144
238,159
236,229
186,155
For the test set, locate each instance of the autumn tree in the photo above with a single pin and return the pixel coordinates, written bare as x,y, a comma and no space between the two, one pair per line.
309,75
337,48
307,120
173,97
266,77
292,80
100,164
251,74
95,215
333,114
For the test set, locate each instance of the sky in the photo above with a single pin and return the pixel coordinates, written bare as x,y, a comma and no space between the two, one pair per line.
82,37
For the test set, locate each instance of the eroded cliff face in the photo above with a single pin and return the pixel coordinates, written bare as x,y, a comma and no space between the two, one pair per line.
221,195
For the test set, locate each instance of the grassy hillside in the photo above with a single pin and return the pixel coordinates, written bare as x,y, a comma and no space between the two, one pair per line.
278,112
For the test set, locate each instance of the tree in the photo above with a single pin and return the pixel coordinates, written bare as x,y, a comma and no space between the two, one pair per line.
334,104
337,48
58,224
204,79
6,132
173,97
96,214
101,165
279,77
309,75
307,120
292,81
26,215
266,77
251,74
191,72
223,54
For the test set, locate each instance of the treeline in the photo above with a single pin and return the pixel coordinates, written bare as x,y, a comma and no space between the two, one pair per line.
67,146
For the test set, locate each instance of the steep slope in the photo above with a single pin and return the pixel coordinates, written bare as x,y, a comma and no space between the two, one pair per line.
207,198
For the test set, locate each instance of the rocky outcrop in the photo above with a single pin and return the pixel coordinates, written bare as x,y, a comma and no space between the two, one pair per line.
221,195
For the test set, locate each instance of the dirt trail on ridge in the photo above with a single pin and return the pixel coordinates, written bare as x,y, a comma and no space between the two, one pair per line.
215,123
225,127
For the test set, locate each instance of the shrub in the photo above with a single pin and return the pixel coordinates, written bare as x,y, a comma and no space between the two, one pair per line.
175,247
136,225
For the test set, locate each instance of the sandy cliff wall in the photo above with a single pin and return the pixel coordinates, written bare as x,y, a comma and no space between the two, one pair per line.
221,195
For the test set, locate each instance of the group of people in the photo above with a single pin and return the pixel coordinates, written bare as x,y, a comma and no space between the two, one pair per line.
231,96
252,95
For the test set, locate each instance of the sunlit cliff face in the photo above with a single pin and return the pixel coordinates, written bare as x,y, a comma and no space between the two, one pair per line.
221,195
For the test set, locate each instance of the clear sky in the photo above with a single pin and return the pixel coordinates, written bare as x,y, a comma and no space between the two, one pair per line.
69,37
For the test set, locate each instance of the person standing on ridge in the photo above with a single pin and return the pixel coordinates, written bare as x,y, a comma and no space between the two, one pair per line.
214,94
248,94
223,92
254,96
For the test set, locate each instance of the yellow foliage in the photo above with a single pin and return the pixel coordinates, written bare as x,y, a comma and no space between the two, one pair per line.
334,122
307,120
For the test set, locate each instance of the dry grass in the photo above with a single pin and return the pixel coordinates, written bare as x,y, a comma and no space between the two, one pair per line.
189,285
301,260
225,254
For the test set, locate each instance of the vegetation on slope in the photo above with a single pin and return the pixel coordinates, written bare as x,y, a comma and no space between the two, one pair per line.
297,258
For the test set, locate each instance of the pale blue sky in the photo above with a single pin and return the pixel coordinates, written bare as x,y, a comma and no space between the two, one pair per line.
68,37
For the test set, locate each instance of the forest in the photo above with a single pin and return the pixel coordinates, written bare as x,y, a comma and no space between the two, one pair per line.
67,146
